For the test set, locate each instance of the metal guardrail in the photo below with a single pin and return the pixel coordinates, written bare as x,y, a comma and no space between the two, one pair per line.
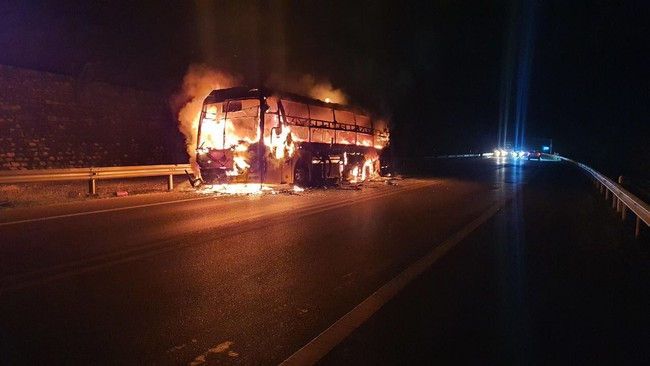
622,199
94,173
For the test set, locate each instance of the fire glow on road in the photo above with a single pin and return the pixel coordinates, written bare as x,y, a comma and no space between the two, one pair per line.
269,214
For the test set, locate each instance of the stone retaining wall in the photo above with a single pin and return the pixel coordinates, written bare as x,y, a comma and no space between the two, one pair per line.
53,121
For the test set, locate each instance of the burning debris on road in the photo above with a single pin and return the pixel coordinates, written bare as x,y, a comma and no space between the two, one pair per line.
264,189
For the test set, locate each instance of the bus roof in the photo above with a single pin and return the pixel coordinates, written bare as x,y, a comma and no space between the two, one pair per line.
242,92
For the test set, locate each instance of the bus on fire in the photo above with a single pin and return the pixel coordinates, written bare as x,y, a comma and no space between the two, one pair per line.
295,140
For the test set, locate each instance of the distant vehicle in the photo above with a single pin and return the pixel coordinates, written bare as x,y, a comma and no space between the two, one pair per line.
534,154
503,153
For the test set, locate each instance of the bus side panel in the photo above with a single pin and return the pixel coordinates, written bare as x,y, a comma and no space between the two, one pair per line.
279,171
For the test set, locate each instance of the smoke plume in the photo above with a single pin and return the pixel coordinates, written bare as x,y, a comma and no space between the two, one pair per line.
199,81
308,86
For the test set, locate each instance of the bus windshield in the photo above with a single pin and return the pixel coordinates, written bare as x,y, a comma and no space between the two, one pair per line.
229,124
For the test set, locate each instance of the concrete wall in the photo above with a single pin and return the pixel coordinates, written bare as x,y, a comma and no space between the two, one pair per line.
53,121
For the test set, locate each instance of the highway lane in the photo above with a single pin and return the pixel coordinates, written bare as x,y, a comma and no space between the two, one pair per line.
554,278
89,233
242,280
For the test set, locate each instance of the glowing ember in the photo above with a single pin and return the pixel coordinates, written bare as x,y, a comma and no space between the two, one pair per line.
298,189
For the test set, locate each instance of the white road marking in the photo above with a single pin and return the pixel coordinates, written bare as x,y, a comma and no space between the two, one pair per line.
317,348
177,348
100,211
221,347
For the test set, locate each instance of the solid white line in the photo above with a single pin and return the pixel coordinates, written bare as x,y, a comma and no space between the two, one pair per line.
101,211
317,348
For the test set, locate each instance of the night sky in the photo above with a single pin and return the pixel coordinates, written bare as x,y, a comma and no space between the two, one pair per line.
435,69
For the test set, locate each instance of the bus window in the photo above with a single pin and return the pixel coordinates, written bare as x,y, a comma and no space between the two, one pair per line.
295,112
320,113
297,117
346,118
301,133
322,135
212,128
228,124
242,125
363,121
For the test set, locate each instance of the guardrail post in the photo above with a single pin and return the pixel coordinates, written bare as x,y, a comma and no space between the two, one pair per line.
622,199
170,182
92,187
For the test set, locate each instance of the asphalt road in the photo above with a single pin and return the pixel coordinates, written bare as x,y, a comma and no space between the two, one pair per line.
554,278
251,280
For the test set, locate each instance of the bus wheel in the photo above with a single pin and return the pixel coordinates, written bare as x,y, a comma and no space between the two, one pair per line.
301,175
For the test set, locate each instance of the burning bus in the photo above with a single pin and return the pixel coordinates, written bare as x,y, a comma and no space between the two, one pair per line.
260,135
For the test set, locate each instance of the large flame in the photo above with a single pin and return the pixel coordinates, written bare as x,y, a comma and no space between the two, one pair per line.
199,81
223,134
282,142
359,171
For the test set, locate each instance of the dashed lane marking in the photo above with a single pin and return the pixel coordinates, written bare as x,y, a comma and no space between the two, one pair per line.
317,348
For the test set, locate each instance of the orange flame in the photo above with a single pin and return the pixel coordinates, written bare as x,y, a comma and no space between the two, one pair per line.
199,81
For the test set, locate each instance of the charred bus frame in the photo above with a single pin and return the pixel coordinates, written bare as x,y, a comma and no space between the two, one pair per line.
296,140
